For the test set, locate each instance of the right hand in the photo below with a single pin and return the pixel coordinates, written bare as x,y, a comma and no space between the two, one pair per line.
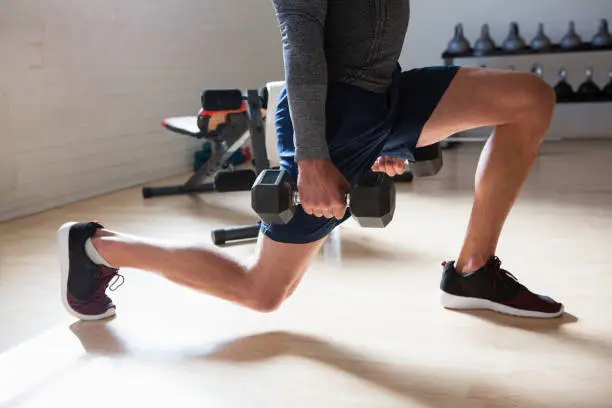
322,188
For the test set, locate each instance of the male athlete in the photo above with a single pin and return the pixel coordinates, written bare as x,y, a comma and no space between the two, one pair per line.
347,108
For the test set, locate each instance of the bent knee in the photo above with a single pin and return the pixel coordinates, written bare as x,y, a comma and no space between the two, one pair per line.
534,98
266,295
266,302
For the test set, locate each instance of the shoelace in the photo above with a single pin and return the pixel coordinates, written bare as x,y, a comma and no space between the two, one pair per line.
507,280
108,281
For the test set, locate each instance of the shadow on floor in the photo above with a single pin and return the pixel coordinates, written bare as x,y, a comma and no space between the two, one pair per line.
422,384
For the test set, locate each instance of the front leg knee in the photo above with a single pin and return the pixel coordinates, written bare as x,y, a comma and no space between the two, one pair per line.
266,296
538,101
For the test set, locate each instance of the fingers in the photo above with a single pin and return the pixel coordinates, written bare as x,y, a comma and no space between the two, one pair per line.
339,212
390,165
333,211
400,166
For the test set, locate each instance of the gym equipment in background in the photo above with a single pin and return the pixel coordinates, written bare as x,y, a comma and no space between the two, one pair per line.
274,197
571,40
537,70
563,89
223,121
484,44
514,42
228,119
602,38
541,42
569,43
459,45
607,91
588,90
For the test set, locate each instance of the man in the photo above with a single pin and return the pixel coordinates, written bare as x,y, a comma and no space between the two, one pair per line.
348,108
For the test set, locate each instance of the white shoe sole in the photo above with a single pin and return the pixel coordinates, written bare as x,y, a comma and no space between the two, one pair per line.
467,303
63,234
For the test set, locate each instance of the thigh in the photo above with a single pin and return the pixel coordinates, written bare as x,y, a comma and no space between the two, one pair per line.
476,97
280,266
416,93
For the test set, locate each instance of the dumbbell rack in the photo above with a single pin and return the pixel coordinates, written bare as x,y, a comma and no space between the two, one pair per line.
449,59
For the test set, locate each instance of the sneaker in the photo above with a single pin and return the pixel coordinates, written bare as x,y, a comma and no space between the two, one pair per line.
84,283
494,288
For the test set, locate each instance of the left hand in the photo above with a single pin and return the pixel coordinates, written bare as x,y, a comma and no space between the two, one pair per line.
390,165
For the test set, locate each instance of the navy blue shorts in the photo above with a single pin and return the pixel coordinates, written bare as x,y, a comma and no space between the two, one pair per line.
361,126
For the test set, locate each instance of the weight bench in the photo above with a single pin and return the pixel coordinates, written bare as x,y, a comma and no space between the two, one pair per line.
228,131
229,120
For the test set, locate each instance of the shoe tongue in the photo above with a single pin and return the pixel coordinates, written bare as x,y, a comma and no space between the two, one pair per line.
493,262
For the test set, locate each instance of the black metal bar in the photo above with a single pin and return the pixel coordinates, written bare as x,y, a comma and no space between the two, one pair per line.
148,192
257,130
221,236
499,52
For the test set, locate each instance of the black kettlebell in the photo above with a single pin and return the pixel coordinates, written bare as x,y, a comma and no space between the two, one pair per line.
588,90
563,89
607,91
536,69
459,44
540,42
514,42
571,40
603,38
485,44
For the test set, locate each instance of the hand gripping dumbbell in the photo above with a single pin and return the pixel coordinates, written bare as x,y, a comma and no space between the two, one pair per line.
274,197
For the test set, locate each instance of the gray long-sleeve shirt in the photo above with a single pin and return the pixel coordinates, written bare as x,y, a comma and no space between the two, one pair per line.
357,42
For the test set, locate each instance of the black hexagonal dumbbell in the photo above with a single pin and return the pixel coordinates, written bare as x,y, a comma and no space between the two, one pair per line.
274,197
427,161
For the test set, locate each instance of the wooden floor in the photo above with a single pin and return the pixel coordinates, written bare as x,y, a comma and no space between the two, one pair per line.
365,328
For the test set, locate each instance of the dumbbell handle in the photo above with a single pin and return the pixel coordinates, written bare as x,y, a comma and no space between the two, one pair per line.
296,198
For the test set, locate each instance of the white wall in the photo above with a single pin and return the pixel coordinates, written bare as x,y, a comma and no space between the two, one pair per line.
84,86
432,27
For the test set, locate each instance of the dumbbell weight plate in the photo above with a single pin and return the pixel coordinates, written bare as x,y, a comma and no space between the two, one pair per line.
272,196
427,160
372,200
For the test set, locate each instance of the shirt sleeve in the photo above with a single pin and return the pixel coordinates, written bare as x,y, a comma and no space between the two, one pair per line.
302,25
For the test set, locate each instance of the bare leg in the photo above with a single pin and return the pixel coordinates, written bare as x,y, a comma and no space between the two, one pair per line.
520,105
261,283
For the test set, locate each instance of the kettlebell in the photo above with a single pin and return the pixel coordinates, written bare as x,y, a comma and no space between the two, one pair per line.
536,69
459,44
484,44
588,90
603,38
514,42
540,42
607,91
563,89
571,40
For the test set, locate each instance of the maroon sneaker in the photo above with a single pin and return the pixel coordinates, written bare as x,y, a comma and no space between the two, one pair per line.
494,288
83,282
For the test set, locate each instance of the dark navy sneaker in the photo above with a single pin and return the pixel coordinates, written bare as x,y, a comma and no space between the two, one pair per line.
494,288
84,283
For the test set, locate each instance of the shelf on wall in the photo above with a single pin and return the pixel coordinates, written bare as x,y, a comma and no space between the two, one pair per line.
592,100
498,52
